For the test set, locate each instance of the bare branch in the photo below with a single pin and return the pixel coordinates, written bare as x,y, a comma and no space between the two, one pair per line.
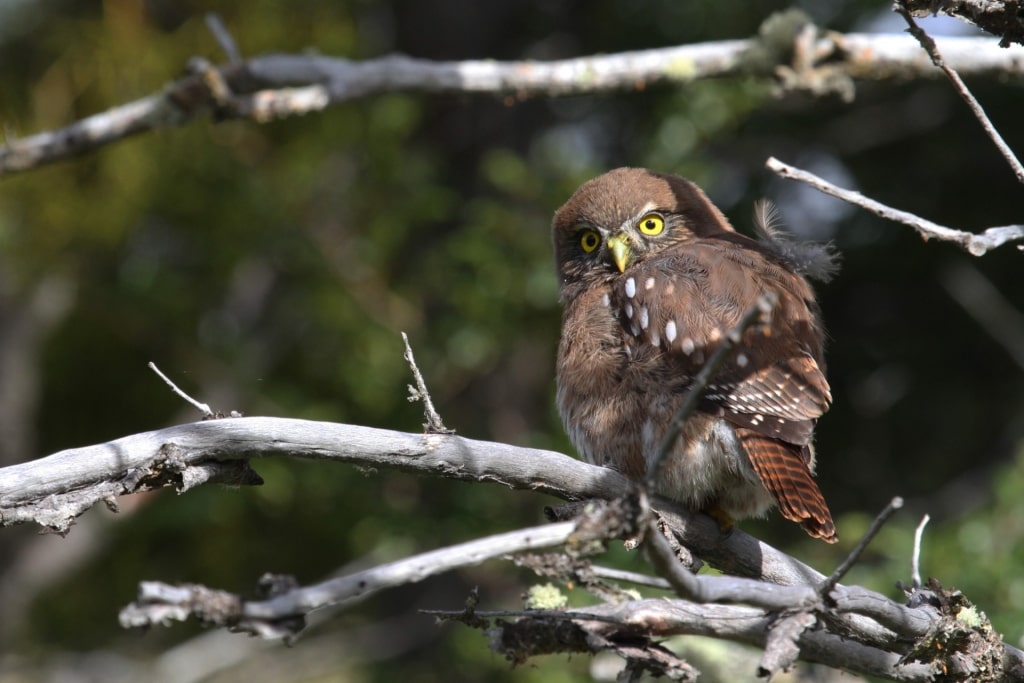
976,245
224,38
284,614
45,490
434,424
278,617
722,589
539,632
915,560
979,113
53,490
270,87
873,616
998,17
201,407
798,604
781,646
409,570
851,559
149,113
658,618
630,577
575,569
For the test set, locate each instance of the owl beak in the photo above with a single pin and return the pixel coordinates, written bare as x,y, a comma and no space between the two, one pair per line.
618,245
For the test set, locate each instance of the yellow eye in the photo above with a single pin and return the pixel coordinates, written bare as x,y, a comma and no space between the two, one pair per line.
652,224
589,240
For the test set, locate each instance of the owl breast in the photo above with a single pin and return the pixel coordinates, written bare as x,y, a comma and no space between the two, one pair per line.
616,404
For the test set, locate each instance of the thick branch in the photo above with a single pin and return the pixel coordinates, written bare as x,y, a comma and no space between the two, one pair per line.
724,589
276,617
54,489
273,86
51,491
998,17
283,616
928,43
657,618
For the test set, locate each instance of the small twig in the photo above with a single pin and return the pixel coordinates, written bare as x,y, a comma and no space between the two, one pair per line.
274,616
915,561
224,37
201,407
828,584
782,644
664,560
447,614
433,425
630,577
976,245
979,113
761,310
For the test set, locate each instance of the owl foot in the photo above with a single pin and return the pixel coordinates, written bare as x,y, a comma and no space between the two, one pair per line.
725,523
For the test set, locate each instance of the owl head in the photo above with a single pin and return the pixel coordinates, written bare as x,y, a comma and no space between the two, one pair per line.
624,216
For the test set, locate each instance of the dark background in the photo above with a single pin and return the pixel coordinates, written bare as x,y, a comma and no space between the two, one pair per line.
270,269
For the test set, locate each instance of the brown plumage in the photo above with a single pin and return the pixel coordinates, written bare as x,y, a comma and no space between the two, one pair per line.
652,276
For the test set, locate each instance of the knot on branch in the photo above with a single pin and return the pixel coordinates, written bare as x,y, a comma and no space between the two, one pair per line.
603,520
170,467
961,645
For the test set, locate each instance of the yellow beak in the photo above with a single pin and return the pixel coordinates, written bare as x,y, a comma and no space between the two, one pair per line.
621,254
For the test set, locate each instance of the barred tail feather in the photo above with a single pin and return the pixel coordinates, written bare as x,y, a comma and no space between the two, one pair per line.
784,472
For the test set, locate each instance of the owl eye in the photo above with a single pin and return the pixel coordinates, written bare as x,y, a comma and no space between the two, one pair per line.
589,240
652,224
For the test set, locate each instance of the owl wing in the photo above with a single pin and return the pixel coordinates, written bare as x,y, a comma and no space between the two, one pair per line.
782,400
677,310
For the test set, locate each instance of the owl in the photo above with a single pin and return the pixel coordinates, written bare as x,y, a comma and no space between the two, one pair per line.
652,277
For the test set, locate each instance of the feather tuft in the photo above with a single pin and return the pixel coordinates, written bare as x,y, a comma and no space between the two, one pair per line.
814,260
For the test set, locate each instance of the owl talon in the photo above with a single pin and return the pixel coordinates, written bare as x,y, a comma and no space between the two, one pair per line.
725,523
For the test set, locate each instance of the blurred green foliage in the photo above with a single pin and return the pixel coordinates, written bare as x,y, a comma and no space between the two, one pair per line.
271,268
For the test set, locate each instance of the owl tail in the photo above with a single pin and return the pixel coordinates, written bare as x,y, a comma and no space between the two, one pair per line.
784,472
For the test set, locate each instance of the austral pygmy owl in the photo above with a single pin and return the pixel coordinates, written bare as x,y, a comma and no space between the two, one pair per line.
652,277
